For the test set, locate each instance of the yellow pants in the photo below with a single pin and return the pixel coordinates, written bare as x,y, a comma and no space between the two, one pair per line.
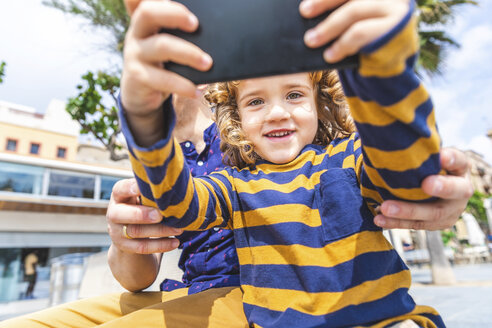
215,307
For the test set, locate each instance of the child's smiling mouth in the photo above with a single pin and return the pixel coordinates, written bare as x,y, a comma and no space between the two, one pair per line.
280,134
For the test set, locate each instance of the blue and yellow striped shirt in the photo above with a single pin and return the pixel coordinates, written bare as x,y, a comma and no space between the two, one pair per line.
308,250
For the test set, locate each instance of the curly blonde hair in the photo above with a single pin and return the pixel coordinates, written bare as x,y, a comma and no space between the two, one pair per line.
334,120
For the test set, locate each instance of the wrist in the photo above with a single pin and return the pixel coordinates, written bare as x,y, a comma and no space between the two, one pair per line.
133,271
147,128
147,133
135,118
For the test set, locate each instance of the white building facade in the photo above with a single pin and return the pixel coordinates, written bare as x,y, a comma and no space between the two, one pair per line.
50,199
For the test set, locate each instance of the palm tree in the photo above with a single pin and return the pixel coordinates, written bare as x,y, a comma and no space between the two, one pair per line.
434,40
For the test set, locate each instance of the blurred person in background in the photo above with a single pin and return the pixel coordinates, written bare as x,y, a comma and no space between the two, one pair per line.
30,273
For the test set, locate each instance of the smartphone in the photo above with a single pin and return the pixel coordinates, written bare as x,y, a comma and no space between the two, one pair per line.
252,38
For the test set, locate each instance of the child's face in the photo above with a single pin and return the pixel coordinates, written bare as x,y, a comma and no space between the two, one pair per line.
278,115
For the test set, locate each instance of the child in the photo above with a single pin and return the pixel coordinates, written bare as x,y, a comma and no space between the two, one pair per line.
300,199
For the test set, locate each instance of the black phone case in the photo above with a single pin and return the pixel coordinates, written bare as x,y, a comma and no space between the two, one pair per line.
252,38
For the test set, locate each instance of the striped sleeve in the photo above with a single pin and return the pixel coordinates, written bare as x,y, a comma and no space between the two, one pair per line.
167,184
394,116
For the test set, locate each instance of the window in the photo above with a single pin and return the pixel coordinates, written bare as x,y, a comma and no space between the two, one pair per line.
42,181
71,185
34,148
11,145
107,184
10,262
21,178
61,152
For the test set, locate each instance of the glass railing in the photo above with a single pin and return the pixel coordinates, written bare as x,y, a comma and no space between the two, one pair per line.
54,183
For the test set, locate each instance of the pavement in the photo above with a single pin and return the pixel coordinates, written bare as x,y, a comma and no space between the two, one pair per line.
467,304
39,302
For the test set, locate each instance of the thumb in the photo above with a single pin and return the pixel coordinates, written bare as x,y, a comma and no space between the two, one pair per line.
125,191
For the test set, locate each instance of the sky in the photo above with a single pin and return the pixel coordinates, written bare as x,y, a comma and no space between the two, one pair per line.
47,52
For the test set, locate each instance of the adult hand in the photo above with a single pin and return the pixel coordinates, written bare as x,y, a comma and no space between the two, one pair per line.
454,190
142,223
354,23
135,258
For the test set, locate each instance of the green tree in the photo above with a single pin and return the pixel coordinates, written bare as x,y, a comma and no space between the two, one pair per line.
89,109
433,16
476,208
95,105
108,15
2,71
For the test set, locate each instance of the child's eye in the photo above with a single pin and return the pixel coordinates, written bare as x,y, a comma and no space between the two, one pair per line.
294,95
255,102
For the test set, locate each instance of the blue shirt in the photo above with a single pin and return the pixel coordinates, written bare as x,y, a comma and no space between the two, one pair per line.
209,258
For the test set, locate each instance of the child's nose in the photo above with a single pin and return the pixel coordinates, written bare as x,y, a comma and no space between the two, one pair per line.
277,112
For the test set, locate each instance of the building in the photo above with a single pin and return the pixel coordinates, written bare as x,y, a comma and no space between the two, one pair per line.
50,200
52,135
480,172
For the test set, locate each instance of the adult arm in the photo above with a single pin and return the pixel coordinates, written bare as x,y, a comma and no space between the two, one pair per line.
135,262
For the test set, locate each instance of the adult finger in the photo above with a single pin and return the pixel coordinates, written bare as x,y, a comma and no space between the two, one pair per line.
125,191
148,246
392,223
151,231
139,245
416,211
454,161
121,213
440,214
448,187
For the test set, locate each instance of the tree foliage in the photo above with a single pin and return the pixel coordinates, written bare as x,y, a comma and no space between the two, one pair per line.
447,236
476,208
109,15
93,115
2,71
90,107
434,40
